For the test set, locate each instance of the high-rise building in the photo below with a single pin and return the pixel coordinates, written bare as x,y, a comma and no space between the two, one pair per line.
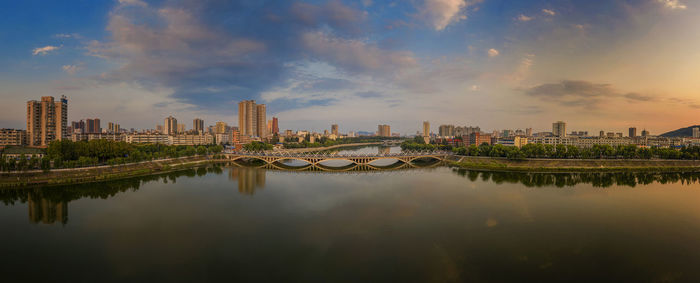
559,129
170,126
181,128
384,131
110,127
92,126
78,127
632,132
220,128
159,128
198,125
602,134
528,132
426,128
261,122
696,132
275,126
247,117
645,133
446,130
47,120
334,129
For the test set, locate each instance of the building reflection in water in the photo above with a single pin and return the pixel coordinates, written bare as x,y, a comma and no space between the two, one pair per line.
249,179
384,149
43,210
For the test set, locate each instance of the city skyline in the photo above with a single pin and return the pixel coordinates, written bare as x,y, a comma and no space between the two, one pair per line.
490,63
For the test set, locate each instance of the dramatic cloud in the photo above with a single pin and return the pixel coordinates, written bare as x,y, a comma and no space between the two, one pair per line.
355,55
673,4
493,52
583,93
44,50
441,13
524,18
549,12
333,13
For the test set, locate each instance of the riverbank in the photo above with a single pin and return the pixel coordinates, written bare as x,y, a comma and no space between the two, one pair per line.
114,172
575,165
100,173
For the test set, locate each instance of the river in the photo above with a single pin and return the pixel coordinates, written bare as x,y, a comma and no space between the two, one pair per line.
437,224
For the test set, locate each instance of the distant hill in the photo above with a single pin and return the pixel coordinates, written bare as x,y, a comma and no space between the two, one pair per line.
683,132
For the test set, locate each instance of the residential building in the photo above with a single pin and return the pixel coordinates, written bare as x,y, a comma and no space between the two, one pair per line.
170,126
384,131
198,125
78,127
191,139
148,138
47,120
559,129
92,126
334,129
275,126
261,116
426,129
252,119
645,133
517,141
476,139
632,132
98,136
13,137
181,128
220,128
159,129
528,132
696,132
446,130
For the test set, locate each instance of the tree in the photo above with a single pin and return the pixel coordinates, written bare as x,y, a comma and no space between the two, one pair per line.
45,163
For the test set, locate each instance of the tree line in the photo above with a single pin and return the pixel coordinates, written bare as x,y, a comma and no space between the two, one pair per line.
69,154
598,151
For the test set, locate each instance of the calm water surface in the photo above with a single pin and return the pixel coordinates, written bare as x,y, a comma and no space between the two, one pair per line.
414,225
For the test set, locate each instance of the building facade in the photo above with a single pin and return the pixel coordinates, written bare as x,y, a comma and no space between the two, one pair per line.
12,137
559,129
384,131
334,129
47,120
198,125
426,128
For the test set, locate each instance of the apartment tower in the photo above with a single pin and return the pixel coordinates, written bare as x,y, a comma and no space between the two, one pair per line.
252,119
47,120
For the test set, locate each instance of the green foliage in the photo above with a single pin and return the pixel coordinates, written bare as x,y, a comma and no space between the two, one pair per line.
69,154
570,151
257,146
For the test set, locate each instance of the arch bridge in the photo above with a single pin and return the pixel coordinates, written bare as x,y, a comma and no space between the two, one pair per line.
355,158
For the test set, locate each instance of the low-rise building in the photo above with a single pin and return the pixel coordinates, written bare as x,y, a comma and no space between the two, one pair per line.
13,137
148,138
191,139
517,141
98,136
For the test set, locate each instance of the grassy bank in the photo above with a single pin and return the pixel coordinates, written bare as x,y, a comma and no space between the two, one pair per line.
102,173
576,165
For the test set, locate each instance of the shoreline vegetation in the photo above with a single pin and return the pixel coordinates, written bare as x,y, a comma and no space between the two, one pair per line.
574,165
180,158
113,170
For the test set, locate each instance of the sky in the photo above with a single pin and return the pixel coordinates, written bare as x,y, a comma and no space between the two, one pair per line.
498,64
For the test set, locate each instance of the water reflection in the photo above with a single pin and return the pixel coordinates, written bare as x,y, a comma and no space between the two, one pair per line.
601,180
49,205
46,211
249,179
